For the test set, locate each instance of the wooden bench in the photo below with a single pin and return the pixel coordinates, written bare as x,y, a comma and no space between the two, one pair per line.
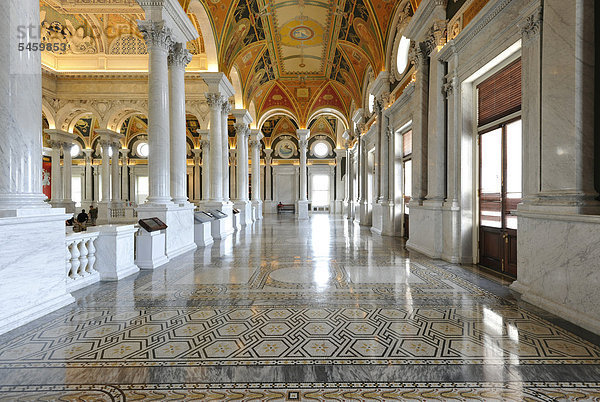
291,208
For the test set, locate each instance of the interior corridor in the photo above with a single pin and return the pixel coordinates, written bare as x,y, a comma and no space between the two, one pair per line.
291,309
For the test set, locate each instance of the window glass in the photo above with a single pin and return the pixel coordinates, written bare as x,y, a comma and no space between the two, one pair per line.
320,150
407,143
75,150
76,190
407,184
513,172
320,190
142,189
402,56
491,178
371,102
143,149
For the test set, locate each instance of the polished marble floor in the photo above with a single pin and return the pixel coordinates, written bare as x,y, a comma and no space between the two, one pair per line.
286,310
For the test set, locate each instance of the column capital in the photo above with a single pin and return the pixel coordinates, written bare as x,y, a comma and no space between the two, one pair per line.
217,82
179,56
339,153
215,100
156,34
242,129
60,137
226,108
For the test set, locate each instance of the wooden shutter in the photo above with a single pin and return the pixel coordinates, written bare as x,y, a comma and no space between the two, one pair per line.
500,95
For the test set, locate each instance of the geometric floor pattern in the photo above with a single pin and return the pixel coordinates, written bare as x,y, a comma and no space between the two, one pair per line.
286,336
288,310
483,391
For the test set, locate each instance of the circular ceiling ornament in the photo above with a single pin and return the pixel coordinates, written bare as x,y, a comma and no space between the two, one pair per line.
302,33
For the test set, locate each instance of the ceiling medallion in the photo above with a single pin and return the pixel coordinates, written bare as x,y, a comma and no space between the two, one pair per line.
302,32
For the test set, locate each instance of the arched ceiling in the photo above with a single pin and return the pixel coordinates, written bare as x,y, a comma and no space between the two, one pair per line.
300,55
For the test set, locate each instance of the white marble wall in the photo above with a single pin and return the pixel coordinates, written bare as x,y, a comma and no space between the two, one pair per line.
115,251
32,268
558,265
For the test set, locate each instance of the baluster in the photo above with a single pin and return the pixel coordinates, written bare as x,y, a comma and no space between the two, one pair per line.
74,259
91,255
68,257
83,259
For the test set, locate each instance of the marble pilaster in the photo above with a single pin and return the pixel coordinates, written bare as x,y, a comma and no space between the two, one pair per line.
269,205
205,146
215,103
115,180
197,175
340,191
55,174
124,175
303,135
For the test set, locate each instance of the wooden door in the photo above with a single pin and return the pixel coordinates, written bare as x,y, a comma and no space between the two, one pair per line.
499,194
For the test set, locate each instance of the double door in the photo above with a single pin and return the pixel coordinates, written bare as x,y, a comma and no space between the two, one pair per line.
500,173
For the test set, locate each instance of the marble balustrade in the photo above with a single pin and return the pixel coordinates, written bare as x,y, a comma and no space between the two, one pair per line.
81,260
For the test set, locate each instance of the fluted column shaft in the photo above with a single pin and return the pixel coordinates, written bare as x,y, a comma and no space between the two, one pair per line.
215,103
303,145
88,175
55,174
115,195
197,174
124,176
67,171
21,98
225,110
205,170
158,41
242,132
178,59
255,146
105,172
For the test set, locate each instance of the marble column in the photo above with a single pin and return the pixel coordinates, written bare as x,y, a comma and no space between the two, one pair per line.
242,131
33,278
115,196
363,174
67,172
303,135
340,191
124,175
232,171
379,151
158,39
436,137
268,178
255,145
105,171
215,103
197,175
225,110
55,174
20,134
88,195
206,165
178,59
349,185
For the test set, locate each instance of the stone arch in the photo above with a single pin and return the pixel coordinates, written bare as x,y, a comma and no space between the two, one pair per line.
115,117
329,111
210,44
274,112
68,115
48,111
237,86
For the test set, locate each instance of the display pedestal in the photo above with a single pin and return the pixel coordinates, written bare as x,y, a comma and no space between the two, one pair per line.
179,219
202,234
237,225
223,227
150,249
257,208
245,212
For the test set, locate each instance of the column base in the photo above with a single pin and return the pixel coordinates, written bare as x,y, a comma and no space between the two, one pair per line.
302,208
426,236
257,208
245,215
338,207
69,206
180,225
383,219
377,219
365,217
13,205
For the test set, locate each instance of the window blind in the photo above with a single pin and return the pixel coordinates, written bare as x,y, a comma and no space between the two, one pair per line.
500,95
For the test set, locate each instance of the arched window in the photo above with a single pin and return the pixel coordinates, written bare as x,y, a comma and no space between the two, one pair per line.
402,55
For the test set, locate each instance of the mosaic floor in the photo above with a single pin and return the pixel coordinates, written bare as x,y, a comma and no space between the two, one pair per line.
291,311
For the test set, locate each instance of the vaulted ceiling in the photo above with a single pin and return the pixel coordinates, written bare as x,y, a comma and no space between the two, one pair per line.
301,55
